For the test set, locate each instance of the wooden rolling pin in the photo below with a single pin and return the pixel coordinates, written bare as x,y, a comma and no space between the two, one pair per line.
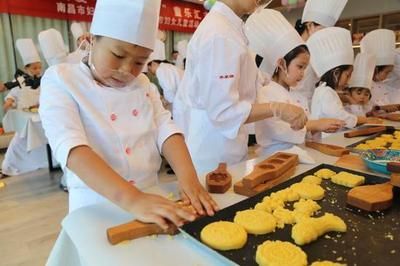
331,150
388,108
364,132
136,229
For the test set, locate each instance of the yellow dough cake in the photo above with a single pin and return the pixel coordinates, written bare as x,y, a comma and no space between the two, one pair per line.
312,179
326,263
348,180
255,221
269,204
279,253
224,235
285,195
325,173
306,206
309,191
308,230
283,216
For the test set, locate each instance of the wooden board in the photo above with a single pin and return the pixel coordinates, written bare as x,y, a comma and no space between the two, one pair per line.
331,150
371,197
352,161
364,132
391,117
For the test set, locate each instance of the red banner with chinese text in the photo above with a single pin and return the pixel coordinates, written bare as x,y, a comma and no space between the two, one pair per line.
175,15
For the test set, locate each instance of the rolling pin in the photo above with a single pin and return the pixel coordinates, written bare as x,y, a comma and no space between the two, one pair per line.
388,108
331,150
364,132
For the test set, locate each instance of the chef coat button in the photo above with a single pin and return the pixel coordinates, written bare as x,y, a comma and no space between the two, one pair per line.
135,112
113,117
128,151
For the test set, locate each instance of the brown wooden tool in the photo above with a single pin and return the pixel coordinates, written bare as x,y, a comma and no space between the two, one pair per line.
270,168
351,161
390,117
371,197
241,189
388,108
364,132
393,167
219,180
331,150
136,229
395,180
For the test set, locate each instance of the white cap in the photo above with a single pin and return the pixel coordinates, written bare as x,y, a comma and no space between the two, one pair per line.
363,72
323,12
159,51
382,44
271,36
330,48
134,22
182,47
396,69
27,51
52,45
77,30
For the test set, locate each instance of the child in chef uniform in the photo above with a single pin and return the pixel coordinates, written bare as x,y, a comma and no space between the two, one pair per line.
18,160
359,93
380,43
285,59
332,60
107,126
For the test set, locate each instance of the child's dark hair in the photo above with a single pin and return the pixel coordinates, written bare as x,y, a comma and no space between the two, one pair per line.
302,27
289,57
329,77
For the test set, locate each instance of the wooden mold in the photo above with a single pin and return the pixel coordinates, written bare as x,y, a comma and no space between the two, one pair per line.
364,132
351,161
241,189
371,197
393,167
391,117
327,149
388,108
219,180
271,168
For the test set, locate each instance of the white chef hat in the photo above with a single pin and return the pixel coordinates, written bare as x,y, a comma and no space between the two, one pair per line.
271,36
182,47
396,69
77,30
330,47
363,72
159,51
323,12
52,44
381,43
134,22
27,51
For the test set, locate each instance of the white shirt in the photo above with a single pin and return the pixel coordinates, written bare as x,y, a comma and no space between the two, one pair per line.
24,96
356,109
169,77
327,104
273,134
126,127
218,90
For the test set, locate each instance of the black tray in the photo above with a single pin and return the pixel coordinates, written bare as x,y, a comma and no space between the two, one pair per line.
371,238
389,130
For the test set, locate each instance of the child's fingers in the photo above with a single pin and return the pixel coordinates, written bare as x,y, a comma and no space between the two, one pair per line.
209,204
158,220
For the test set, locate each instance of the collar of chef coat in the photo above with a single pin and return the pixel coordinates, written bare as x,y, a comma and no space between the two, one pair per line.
227,12
135,84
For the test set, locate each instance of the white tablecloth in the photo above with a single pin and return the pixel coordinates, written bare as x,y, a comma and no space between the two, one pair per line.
27,125
83,238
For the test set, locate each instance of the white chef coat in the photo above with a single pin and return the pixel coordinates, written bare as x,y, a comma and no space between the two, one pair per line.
169,77
304,90
25,96
76,56
218,90
273,134
126,127
357,109
393,89
379,94
327,104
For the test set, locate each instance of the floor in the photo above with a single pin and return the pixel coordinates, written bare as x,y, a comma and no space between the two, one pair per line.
32,207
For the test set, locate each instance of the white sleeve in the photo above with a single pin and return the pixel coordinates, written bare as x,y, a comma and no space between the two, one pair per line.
168,79
165,126
334,109
355,109
13,94
219,73
60,117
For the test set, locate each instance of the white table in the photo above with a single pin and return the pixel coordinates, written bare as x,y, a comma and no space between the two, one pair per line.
83,238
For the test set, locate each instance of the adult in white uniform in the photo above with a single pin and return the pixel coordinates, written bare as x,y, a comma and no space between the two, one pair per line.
360,84
219,89
17,159
317,15
106,125
285,59
380,43
393,81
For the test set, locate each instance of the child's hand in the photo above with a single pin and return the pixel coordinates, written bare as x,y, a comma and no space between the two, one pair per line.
193,193
329,125
150,208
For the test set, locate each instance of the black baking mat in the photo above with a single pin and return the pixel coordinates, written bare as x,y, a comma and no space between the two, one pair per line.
371,238
389,130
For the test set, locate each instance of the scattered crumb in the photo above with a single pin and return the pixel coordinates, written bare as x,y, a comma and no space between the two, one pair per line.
339,259
392,251
334,251
389,236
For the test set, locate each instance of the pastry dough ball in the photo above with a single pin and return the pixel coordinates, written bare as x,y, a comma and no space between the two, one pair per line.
255,221
224,235
279,253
